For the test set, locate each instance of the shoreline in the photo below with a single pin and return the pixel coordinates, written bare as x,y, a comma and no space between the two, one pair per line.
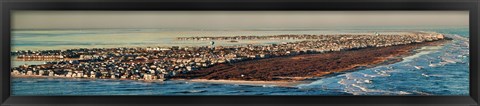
282,83
237,82
390,59
305,80
279,63
252,83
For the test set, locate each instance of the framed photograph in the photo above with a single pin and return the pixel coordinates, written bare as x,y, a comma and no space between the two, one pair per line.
239,52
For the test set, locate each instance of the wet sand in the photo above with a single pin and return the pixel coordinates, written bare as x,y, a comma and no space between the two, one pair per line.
253,83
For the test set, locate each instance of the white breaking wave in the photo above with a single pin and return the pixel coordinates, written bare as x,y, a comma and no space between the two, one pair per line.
360,82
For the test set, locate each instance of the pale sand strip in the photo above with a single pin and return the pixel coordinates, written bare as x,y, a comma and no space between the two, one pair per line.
254,83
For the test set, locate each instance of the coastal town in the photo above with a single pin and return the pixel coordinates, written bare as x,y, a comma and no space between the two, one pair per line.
163,63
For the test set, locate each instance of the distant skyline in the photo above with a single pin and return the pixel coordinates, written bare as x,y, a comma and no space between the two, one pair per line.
232,19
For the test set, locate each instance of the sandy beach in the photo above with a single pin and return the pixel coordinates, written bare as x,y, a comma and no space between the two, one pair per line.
254,83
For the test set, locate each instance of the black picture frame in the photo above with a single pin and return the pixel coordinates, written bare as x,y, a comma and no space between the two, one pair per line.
236,5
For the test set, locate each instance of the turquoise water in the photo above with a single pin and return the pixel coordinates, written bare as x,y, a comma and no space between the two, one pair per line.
444,68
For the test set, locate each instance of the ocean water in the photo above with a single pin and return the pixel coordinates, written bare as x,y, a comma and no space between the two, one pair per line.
445,69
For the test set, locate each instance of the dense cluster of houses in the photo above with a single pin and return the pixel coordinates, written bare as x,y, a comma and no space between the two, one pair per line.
159,63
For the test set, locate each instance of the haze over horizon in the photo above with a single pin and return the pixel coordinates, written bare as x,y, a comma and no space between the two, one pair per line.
232,19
